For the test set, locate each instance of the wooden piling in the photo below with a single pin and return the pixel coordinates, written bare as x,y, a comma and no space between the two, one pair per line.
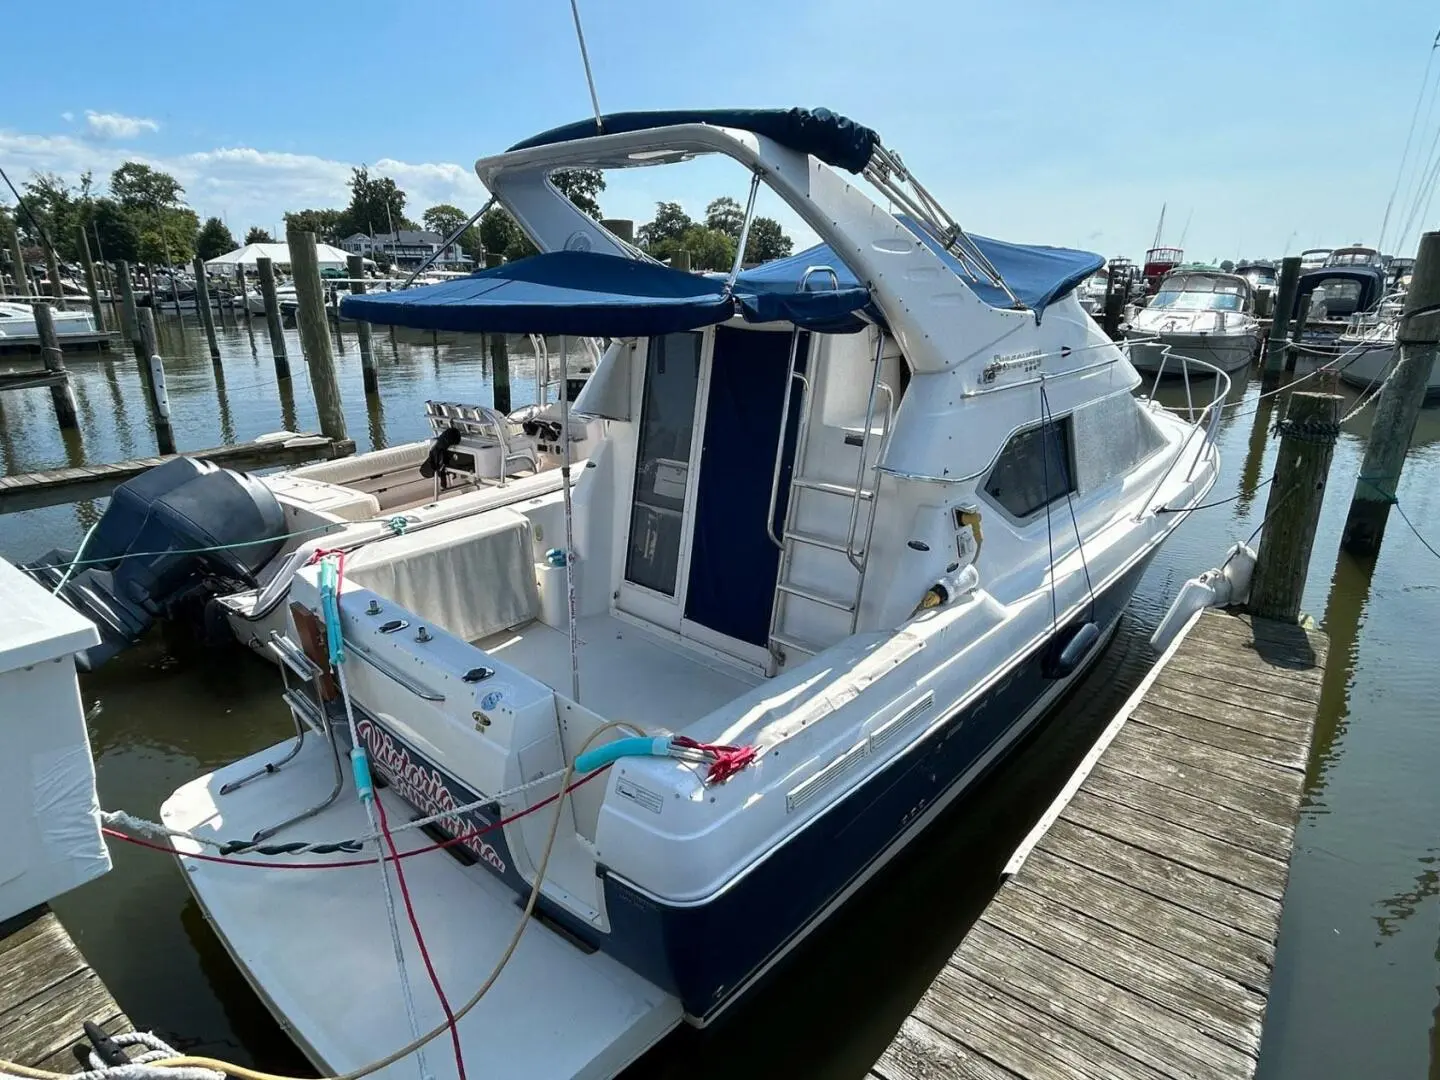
91,284
152,375
1292,511
17,254
202,304
1297,328
129,317
499,353
52,270
355,267
60,393
1398,407
1280,323
315,333
624,228
272,316
680,261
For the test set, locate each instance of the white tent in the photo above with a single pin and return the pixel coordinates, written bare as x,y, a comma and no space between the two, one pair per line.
279,254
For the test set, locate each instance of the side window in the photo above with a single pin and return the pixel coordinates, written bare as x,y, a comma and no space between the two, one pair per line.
1035,468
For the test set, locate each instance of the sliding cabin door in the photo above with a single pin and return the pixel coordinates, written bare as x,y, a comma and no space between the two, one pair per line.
698,557
657,538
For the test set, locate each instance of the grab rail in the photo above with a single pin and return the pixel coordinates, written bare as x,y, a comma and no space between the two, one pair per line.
389,670
1208,421
875,383
784,426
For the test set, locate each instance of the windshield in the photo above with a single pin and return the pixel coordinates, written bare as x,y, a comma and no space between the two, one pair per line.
1258,275
1176,300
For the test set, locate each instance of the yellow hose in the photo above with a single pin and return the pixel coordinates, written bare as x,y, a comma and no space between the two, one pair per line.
231,1069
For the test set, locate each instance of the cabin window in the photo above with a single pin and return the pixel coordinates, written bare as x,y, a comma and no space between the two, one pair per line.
662,461
1035,468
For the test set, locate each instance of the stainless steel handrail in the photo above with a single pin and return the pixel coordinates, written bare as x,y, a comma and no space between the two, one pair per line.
784,426
390,671
1208,421
875,384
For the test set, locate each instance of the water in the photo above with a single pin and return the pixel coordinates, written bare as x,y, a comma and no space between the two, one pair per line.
1358,963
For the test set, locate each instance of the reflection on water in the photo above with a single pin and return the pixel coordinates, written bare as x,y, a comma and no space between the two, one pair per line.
1357,967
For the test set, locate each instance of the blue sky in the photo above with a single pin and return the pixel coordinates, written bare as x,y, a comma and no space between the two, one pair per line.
1262,125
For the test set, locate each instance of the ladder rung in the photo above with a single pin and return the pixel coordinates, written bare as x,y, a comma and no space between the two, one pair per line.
794,644
817,597
816,541
826,488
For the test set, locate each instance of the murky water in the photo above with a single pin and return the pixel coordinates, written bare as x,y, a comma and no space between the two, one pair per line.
1359,960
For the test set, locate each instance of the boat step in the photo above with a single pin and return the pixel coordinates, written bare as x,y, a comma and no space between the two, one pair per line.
816,541
817,597
827,488
795,644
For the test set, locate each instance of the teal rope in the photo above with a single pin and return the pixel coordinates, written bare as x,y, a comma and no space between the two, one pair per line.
1371,482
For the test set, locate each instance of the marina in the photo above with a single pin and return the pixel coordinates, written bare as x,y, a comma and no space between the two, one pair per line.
806,638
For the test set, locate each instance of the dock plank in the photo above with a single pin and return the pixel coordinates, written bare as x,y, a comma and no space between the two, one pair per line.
48,993
30,491
1137,937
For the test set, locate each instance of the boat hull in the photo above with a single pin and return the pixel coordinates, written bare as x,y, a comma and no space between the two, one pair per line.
1369,368
1228,352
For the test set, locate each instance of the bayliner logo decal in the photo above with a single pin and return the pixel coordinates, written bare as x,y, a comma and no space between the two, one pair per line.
427,789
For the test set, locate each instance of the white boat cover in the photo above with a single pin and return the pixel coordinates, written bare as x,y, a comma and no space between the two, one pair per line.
316,947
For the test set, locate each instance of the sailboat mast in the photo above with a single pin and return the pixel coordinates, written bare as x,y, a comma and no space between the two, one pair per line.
1159,225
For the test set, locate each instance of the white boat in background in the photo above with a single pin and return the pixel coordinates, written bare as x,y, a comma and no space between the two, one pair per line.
1201,314
1365,353
826,560
18,320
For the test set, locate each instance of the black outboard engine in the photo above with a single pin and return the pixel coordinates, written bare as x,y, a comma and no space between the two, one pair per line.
170,539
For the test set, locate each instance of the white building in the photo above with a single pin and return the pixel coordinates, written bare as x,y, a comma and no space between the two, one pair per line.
407,248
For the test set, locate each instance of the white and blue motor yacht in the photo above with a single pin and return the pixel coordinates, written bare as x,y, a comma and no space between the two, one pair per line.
850,525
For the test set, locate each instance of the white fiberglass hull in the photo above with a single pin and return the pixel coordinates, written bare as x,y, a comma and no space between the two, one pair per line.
18,320
1368,368
1227,351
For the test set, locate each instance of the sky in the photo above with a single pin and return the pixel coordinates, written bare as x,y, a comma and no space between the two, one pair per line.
1262,128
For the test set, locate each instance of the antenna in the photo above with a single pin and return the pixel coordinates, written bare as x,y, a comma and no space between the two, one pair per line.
585,58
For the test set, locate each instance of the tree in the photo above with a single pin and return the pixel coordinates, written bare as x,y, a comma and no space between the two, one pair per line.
725,215
140,187
257,235
709,249
767,240
671,223
327,225
582,187
214,239
118,231
170,240
444,219
376,204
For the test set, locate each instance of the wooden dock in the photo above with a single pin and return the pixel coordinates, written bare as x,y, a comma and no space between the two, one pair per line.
1134,938
47,993
28,491
86,341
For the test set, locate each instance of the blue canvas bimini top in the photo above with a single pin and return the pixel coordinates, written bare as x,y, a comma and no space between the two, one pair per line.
833,139
589,294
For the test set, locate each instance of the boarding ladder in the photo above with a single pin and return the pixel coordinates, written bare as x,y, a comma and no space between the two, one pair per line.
793,594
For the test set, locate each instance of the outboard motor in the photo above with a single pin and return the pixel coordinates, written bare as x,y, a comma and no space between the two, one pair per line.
172,537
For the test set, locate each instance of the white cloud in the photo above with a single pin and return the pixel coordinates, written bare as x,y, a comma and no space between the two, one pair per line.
67,116
117,125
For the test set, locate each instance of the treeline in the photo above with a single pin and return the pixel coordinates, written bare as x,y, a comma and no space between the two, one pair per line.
143,218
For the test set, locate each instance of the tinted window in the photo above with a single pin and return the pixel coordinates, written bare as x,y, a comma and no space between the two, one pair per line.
1034,469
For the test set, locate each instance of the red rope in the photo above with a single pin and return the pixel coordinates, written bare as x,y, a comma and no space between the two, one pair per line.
346,863
420,940
725,761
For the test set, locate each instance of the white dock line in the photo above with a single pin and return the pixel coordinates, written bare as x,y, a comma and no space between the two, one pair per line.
1107,736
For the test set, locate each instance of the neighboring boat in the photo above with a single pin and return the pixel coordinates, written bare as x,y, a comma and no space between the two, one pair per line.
18,320
1201,314
1159,261
1336,293
1356,255
1261,274
1314,258
770,567
1365,353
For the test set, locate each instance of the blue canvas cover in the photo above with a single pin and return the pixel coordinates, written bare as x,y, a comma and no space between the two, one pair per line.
588,294
833,139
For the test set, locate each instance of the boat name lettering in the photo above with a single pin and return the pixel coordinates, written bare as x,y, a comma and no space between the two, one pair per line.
1014,362
426,788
